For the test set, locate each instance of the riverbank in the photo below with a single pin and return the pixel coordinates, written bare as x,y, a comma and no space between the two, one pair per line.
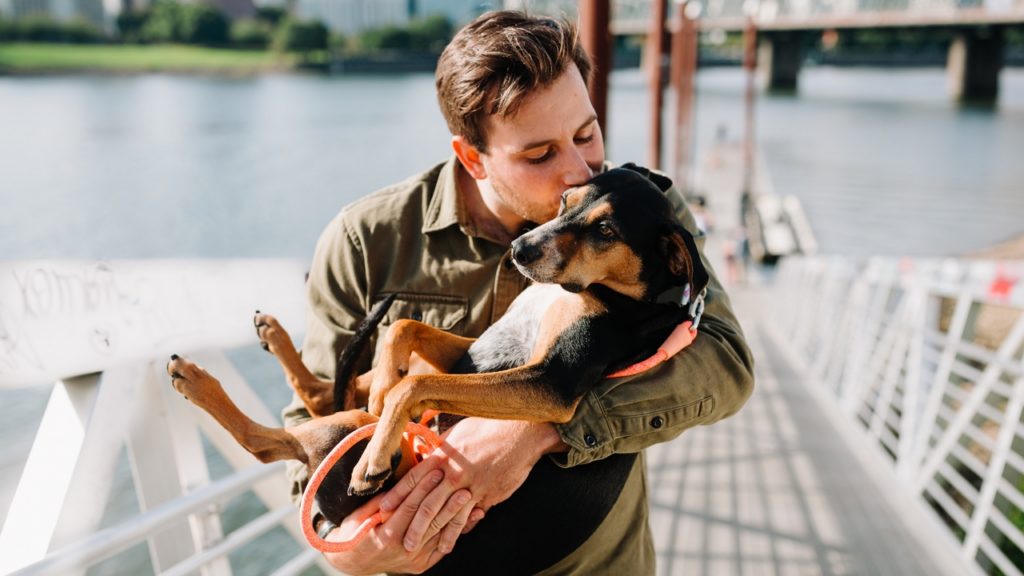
36,58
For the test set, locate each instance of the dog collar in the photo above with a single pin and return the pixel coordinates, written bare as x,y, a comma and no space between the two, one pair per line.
680,338
683,335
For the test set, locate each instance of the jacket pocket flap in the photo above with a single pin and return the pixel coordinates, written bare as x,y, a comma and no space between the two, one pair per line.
437,310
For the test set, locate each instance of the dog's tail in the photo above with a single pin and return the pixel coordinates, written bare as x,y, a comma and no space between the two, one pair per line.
344,372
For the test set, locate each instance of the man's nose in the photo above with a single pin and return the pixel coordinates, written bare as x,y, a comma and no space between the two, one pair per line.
577,171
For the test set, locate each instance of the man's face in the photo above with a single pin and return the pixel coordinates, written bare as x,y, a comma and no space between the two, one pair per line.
552,143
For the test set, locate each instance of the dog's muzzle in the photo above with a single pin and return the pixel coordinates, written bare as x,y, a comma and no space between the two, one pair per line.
525,253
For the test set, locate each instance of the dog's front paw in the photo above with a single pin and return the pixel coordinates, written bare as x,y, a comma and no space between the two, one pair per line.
366,481
273,338
190,380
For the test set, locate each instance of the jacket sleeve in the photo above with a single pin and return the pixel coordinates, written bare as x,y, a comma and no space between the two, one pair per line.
336,301
707,381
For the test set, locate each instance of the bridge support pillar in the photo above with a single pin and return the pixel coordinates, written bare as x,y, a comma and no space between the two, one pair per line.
778,61
975,60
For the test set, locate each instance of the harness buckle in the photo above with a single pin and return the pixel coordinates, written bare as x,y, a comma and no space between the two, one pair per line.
696,309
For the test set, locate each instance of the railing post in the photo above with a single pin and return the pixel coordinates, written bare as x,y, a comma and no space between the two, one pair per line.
65,483
1003,445
167,461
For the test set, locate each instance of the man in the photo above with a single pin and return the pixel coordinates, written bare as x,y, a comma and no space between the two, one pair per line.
513,91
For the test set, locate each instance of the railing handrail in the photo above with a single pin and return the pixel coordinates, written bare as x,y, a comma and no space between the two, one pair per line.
924,357
110,541
103,331
63,318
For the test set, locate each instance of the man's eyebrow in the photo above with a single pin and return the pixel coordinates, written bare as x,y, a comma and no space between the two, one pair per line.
539,143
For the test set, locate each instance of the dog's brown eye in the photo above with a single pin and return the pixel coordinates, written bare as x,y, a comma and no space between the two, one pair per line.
605,230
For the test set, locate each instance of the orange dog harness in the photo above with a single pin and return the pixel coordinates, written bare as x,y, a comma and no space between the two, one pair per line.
421,440
418,438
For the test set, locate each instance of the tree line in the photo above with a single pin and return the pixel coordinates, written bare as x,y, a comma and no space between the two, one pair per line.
170,21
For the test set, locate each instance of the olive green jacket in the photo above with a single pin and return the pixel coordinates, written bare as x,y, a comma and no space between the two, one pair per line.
415,239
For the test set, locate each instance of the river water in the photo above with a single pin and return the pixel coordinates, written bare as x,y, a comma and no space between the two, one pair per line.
176,166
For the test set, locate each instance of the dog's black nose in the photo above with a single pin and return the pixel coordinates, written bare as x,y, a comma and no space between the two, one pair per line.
524,253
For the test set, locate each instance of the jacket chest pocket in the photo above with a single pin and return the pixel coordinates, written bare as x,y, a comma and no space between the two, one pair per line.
440,311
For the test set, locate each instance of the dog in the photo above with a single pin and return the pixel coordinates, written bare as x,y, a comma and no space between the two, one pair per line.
614,273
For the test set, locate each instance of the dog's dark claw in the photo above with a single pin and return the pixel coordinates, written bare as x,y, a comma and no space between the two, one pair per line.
378,477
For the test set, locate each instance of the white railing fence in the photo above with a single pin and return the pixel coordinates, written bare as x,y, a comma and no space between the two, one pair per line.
925,356
103,332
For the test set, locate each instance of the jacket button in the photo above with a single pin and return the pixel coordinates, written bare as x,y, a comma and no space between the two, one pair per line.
657,422
590,440
417,316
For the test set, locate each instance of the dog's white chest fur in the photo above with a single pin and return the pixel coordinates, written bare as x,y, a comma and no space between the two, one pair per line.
510,341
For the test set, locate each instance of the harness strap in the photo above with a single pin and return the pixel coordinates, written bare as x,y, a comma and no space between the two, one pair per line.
422,440
418,438
680,338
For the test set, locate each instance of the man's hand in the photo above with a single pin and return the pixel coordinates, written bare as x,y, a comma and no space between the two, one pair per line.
382,549
491,458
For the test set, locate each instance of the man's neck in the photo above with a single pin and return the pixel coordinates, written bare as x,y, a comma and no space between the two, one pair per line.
486,223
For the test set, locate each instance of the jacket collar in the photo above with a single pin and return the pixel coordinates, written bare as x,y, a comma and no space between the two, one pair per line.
445,208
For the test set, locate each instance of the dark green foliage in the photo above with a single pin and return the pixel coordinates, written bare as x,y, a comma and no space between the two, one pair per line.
386,38
202,24
170,21
252,34
429,35
129,25
295,36
44,29
162,22
270,14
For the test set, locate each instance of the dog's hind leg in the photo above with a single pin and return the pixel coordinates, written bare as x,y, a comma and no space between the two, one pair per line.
205,391
437,348
317,395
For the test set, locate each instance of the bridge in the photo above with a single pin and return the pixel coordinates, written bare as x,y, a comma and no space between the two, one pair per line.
784,28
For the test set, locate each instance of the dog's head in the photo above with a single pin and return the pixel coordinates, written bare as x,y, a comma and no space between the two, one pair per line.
617,230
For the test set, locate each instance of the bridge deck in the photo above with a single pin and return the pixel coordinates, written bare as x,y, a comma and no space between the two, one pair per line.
785,486
777,489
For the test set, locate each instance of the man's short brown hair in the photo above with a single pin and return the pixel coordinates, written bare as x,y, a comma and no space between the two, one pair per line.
496,61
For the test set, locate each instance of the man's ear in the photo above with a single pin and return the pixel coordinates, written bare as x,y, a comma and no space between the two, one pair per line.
660,180
469,156
684,259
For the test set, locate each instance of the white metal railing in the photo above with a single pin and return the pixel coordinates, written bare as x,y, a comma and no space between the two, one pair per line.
103,332
926,357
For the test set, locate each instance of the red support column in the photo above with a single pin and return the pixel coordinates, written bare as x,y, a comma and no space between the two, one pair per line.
684,69
596,35
657,42
750,65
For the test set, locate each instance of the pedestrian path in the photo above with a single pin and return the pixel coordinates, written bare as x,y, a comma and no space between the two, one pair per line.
781,487
777,489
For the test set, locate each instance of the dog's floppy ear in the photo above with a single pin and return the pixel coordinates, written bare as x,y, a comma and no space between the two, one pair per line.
660,180
684,259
